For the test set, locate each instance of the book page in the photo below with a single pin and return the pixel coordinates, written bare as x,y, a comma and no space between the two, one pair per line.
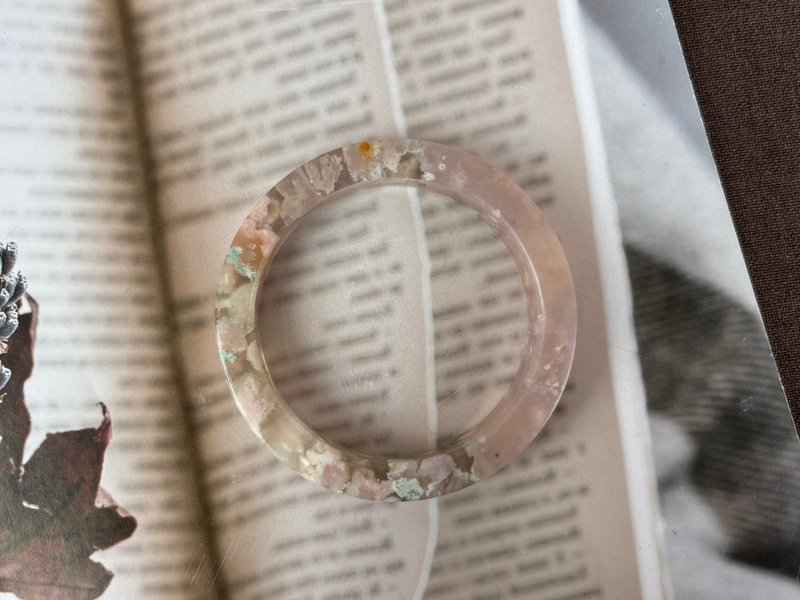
237,96
72,197
573,516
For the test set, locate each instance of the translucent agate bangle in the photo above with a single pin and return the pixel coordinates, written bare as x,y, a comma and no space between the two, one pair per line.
551,314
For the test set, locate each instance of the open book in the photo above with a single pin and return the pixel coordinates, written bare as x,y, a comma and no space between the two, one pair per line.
137,134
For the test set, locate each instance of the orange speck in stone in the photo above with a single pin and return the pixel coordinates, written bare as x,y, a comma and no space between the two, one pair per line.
365,148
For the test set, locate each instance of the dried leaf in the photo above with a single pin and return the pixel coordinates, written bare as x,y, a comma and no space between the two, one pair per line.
53,512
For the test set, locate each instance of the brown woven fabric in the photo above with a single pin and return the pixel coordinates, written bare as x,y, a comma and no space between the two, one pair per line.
744,60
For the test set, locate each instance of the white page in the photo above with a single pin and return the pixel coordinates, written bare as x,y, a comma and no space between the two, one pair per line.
488,110
72,197
238,95
558,522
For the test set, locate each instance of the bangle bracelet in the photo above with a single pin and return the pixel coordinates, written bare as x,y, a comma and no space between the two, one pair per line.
517,417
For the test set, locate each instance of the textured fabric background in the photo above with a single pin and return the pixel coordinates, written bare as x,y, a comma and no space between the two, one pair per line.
707,367
744,60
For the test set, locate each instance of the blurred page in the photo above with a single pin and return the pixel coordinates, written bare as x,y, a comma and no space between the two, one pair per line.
236,97
575,516
73,199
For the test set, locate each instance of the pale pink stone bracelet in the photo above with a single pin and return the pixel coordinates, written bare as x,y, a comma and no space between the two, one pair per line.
520,414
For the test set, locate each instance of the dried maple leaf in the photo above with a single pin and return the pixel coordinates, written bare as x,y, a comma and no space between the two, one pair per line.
53,512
